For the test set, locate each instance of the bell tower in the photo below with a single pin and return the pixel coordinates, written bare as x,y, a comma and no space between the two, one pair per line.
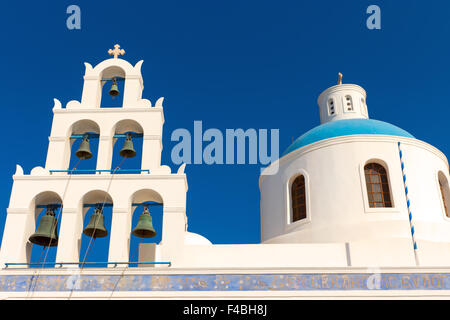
67,196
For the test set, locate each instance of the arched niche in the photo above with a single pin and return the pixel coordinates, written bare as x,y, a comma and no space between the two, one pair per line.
105,78
124,127
43,199
141,196
81,127
37,253
127,125
145,195
91,249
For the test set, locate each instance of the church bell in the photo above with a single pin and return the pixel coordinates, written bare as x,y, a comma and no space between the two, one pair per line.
144,228
84,152
114,91
46,234
96,226
128,149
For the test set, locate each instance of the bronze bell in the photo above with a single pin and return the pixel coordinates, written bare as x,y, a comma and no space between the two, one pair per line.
144,227
46,234
114,91
84,151
128,149
96,226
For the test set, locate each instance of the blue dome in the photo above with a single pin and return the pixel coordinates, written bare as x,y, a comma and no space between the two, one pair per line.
346,127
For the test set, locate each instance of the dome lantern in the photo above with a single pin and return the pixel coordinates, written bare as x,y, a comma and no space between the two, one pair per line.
342,101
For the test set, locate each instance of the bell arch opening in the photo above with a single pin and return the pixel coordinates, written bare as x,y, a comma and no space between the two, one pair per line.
42,235
146,226
93,242
127,146
112,82
83,149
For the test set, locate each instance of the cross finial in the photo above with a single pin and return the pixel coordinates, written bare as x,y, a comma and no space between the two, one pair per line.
340,78
116,52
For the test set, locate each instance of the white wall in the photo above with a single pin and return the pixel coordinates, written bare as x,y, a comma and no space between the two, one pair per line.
336,192
264,256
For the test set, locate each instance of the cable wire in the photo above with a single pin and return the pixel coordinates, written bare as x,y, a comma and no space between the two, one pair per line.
88,250
53,230
125,269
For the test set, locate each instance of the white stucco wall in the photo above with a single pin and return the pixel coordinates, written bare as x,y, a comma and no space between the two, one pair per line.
337,205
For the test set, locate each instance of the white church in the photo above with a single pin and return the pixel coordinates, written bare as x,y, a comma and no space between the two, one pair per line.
358,208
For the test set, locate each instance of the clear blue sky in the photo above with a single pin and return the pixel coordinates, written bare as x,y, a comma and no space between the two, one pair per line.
231,64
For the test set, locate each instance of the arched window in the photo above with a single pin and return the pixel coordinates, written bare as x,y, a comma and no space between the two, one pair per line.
298,196
443,185
377,184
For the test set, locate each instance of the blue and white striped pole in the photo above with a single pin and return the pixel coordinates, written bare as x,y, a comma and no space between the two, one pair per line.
408,203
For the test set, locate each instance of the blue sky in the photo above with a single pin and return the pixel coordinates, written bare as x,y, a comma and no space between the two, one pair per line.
230,64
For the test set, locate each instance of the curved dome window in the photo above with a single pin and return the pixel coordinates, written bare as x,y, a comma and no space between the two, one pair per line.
298,196
445,192
377,183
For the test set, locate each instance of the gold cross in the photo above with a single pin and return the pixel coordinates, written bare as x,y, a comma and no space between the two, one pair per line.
116,52
340,78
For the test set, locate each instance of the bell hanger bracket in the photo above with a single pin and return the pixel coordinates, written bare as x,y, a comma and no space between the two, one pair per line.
114,78
107,204
96,135
48,206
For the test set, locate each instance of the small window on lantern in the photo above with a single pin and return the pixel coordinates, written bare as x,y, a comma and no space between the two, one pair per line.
348,103
331,107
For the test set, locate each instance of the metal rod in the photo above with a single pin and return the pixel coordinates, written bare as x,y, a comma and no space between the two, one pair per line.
95,170
96,135
44,206
125,135
79,263
111,79
96,205
88,135
148,203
